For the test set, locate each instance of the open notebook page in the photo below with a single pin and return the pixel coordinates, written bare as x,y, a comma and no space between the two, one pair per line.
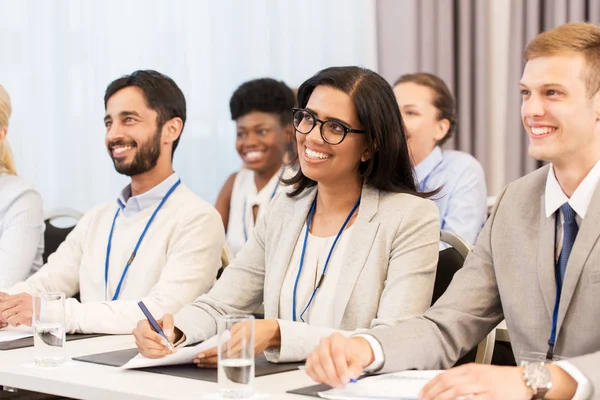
9,334
404,385
183,355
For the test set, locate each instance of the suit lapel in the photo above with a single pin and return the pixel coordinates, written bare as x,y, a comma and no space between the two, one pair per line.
545,260
588,234
357,250
292,226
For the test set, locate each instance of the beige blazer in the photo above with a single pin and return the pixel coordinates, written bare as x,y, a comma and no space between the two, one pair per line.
389,276
510,274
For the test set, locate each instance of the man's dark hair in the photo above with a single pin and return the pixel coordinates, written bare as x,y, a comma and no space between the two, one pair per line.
161,92
266,95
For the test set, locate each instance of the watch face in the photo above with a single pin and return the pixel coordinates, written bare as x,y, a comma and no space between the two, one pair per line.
539,376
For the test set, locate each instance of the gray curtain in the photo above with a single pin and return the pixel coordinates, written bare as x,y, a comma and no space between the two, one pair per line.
528,18
447,38
450,38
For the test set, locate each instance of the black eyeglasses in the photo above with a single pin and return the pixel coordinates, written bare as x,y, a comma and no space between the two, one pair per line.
332,131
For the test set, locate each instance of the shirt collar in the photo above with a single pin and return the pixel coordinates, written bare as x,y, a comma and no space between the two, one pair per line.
425,167
581,198
134,204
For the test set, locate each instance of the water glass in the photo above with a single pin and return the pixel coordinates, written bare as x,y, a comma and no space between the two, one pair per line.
48,324
236,356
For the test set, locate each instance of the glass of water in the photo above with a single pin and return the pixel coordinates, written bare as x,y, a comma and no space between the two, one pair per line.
48,324
236,356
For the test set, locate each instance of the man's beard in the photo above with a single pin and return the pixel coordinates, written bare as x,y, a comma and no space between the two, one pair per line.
145,158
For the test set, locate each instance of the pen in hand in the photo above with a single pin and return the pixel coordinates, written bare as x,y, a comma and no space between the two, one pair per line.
154,324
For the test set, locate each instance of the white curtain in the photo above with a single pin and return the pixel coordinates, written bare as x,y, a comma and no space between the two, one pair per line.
57,57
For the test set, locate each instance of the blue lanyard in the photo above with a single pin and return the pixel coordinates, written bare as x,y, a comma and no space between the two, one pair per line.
137,246
246,200
310,216
552,340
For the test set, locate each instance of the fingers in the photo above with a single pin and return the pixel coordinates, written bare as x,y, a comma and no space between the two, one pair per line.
149,343
340,357
207,362
18,319
167,324
323,366
454,383
207,359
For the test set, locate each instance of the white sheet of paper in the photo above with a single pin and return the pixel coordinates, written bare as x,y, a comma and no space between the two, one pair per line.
399,386
9,334
183,355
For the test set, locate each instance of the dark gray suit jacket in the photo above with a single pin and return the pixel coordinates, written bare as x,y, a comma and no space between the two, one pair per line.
510,274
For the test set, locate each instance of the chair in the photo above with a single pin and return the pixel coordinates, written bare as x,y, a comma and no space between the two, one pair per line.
53,235
491,202
450,261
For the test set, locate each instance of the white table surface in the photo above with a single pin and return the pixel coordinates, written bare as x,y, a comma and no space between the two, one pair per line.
92,381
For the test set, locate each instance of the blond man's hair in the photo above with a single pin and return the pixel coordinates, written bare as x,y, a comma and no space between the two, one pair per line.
577,37
7,164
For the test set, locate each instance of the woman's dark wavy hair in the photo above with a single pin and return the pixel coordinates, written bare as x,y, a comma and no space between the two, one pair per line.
390,166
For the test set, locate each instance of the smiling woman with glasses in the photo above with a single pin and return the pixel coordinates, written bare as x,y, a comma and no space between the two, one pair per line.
352,246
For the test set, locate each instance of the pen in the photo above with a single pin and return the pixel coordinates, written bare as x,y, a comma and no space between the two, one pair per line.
154,324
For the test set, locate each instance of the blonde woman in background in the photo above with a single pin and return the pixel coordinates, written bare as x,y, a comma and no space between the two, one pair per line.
21,215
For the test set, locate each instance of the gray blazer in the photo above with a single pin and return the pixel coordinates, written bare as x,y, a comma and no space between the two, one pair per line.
389,276
510,274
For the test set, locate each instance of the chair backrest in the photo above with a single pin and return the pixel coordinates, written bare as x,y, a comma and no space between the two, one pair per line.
53,235
226,258
449,262
491,202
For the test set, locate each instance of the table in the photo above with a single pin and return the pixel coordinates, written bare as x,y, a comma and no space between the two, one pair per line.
91,381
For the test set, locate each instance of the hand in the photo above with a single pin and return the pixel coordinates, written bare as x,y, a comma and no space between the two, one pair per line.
150,343
16,310
339,359
3,323
266,335
476,381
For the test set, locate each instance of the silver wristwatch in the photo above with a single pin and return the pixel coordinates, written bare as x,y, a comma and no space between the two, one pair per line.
537,377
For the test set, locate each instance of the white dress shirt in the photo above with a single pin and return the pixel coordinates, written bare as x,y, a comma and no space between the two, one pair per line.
555,198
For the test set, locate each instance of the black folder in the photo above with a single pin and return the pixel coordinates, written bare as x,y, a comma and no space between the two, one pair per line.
190,371
28,341
312,391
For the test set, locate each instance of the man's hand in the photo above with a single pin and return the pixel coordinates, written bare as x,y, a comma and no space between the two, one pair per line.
478,381
16,310
339,359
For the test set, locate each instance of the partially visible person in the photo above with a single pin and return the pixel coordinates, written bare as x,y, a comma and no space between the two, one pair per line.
429,114
352,246
262,110
158,242
21,213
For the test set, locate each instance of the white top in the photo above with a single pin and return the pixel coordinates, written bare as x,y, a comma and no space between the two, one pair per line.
320,312
21,230
177,261
244,196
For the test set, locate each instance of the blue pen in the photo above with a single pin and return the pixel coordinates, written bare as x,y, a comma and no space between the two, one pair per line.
154,324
